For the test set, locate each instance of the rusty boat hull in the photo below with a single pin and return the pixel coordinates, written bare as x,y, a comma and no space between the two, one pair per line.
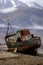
27,47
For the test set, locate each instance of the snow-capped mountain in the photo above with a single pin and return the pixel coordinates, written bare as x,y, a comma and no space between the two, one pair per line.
31,18
33,3
15,3
29,12
10,5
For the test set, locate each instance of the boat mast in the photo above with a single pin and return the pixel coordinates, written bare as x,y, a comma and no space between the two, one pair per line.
8,27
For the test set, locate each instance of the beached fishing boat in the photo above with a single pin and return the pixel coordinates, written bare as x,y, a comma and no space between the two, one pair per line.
22,41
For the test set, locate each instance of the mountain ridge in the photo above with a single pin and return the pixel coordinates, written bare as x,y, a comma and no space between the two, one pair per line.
20,3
